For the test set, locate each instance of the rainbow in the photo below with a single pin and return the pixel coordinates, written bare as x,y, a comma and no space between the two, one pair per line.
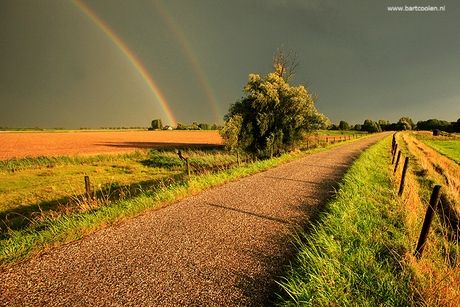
174,25
131,57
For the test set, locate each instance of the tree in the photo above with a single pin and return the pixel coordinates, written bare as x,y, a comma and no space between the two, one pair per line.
181,126
384,124
273,114
370,126
456,126
405,123
344,125
215,127
204,126
433,124
157,124
231,132
285,65
194,126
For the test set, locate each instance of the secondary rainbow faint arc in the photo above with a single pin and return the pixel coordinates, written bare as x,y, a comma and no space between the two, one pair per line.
177,29
131,57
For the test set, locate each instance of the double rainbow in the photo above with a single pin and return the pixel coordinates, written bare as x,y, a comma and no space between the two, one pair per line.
130,56
193,58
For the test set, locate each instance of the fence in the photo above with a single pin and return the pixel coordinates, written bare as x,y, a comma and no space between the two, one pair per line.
434,200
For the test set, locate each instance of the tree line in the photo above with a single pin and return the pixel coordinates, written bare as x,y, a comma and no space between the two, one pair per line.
404,123
157,124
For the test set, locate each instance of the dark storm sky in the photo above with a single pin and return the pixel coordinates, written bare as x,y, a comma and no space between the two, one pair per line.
59,68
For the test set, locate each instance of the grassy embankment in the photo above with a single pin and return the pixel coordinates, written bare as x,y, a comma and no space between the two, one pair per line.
353,254
43,203
438,271
360,250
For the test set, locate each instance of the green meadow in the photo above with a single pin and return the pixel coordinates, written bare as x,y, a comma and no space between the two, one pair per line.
449,148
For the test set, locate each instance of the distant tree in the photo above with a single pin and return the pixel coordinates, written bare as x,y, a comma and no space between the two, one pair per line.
343,125
157,124
194,126
215,126
273,114
456,126
433,124
181,126
358,127
333,127
370,126
405,123
204,126
384,124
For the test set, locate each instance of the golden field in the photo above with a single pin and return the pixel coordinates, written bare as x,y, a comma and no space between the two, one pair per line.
20,145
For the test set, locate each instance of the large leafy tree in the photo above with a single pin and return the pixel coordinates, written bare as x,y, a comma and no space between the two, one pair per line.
405,123
343,125
273,114
157,124
371,126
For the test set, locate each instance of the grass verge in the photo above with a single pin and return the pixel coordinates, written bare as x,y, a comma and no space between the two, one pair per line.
437,272
353,255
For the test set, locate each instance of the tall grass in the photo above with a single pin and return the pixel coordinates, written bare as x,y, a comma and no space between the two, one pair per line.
438,271
448,146
18,164
353,255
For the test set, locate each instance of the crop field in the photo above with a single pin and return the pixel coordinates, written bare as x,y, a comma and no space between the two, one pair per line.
20,145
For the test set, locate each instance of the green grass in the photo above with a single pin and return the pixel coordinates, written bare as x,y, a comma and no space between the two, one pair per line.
32,187
352,255
448,146
340,132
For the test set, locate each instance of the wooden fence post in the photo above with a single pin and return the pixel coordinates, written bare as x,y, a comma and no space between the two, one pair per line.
188,165
87,188
403,178
397,161
427,222
395,149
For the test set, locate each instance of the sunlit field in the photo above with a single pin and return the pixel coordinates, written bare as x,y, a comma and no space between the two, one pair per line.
446,145
27,144
43,200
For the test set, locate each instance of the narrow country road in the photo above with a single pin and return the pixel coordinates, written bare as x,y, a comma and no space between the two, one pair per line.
222,247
